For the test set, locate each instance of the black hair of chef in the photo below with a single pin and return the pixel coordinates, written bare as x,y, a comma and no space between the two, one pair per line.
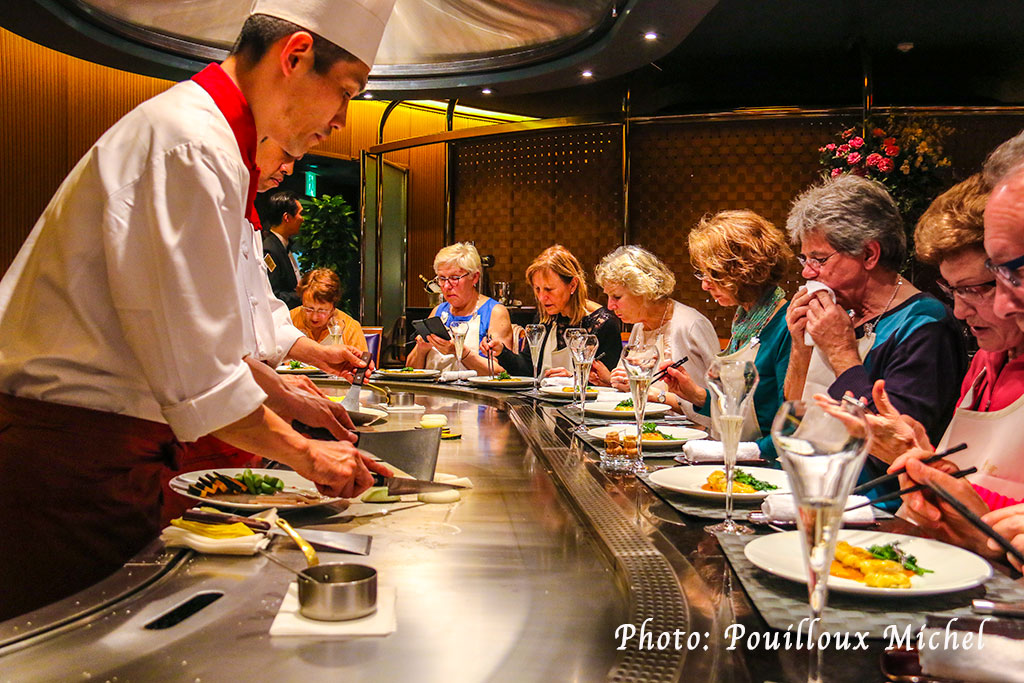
279,204
261,31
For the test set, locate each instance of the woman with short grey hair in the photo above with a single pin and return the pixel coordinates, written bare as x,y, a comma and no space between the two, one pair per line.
858,321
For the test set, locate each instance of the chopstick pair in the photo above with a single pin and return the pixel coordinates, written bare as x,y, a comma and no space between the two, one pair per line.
886,478
978,523
663,372
490,357
909,489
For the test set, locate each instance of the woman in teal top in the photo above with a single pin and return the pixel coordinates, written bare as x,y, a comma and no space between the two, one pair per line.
740,258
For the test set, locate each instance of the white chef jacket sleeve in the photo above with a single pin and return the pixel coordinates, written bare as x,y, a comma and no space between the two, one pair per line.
170,242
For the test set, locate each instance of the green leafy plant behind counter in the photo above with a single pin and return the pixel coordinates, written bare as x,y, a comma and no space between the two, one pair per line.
330,239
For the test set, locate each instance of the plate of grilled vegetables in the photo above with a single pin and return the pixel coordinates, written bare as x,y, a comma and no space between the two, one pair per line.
250,489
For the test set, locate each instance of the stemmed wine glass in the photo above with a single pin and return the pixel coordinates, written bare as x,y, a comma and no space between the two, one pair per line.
641,362
731,385
570,335
822,451
583,349
535,337
458,332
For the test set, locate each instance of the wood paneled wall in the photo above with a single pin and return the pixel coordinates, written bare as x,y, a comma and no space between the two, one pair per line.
53,107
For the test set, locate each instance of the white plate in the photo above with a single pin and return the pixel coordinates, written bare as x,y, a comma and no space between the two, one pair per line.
420,373
517,382
955,569
607,409
293,482
365,415
681,434
689,480
568,392
287,369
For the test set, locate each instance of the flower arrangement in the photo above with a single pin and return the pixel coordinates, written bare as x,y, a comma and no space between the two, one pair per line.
905,156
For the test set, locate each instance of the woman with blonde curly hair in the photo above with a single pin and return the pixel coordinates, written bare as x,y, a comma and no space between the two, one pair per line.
560,286
740,258
639,287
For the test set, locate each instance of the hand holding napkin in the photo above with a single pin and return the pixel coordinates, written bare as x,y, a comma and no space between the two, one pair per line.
813,286
452,375
711,451
781,507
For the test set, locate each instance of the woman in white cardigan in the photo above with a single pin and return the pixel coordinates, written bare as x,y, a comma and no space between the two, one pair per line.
639,288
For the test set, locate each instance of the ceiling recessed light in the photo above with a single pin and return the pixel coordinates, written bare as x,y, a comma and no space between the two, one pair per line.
904,47
487,91
650,35
587,73
367,95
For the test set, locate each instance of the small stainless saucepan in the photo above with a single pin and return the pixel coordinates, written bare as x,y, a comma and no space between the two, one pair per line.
338,591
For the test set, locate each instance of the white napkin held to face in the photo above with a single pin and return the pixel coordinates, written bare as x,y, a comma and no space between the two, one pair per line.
712,451
781,507
813,286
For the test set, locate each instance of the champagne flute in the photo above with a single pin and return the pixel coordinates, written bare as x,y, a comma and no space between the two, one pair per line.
584,348
334,332
569,336
641,362
535,337
458,332
731,385
822,451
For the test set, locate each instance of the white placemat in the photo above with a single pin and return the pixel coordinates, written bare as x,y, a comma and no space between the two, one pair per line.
289,622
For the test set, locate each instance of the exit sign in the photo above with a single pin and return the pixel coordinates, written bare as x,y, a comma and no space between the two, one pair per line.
310,184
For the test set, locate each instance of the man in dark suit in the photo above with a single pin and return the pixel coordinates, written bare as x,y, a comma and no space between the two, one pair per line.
284,216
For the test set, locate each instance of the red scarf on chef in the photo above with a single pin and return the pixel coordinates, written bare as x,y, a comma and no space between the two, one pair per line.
232,105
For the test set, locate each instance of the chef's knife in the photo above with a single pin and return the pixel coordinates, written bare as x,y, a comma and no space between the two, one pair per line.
351,400
400,486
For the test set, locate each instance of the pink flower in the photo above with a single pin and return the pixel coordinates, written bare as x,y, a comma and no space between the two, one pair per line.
857,142
873,159
831,146
853,158
836,171
892,150
843,149
885,165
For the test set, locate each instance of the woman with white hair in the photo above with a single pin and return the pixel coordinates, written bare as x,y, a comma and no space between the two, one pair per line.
867,323
639,288
457,267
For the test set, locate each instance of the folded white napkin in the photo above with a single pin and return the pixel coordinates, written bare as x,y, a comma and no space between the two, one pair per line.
289,622
781,507
813,286
711,451
557,382
175,537
452,375
997,657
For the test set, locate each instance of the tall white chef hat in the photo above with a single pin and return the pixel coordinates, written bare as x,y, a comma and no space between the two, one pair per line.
353,25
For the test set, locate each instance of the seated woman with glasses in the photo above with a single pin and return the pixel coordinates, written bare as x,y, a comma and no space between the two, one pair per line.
560,287
868,323
639,288
457,267
740,258
318,318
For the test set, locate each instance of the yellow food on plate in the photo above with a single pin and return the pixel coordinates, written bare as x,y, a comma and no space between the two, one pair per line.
717,482
858,564
654,436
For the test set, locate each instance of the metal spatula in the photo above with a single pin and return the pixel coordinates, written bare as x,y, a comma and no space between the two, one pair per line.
351,401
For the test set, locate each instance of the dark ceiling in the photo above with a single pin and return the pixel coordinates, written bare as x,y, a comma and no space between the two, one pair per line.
727,54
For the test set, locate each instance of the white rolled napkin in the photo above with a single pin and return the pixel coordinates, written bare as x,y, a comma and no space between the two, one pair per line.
813,286
711,451
176,537
557,382
961,649
781,507
452,375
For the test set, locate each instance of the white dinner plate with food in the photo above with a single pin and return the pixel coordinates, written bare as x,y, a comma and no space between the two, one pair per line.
692,480
616,410
296,368
298,492
408,373
494,382
569,393
669,436
952,569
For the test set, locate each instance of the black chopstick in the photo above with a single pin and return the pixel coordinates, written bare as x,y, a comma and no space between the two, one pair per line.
909,489
974,519
886,478
664,372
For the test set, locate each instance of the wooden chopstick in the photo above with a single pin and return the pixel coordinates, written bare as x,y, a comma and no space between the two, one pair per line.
909,489
664,372
978,523
886,478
